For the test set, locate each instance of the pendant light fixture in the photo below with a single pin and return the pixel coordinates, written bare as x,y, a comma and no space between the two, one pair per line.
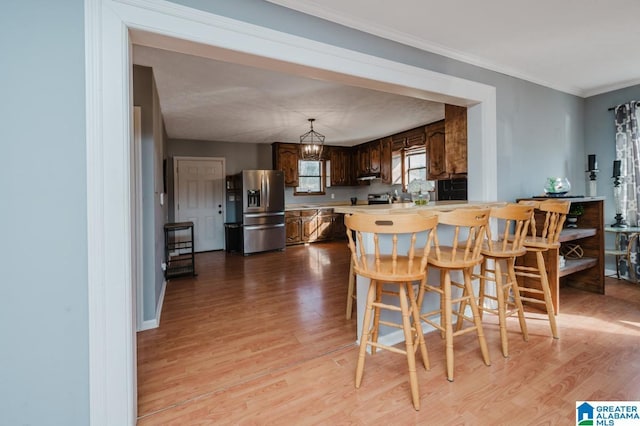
311,144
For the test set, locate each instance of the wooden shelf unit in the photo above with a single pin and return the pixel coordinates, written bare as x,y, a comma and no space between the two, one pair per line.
586,273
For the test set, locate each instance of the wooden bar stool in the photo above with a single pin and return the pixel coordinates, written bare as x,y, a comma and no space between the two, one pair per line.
469,227
543,237
386,265
499,261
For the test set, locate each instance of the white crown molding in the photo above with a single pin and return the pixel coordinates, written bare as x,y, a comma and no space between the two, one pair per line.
605,89
311,8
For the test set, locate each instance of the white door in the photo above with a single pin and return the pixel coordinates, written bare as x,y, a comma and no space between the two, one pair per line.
199,195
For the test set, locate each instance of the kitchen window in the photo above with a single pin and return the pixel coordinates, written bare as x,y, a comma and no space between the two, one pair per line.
407,165
311,179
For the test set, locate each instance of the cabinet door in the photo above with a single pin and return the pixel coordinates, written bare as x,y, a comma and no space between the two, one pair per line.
286,159
363,160
385,160
324,230
293,227
455,139
415,137
309,221
340,166
338,229
374,157
436,150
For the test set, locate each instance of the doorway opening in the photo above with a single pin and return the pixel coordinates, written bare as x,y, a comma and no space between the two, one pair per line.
111,307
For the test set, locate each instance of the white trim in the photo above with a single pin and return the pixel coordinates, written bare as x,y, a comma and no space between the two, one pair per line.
155,323
107,27
136,201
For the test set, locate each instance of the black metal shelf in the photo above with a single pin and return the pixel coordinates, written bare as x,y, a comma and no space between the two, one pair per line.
179,253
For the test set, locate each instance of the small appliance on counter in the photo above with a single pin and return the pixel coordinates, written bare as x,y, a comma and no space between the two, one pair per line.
378,198
260,210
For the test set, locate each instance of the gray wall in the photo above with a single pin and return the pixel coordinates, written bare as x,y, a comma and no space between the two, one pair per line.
44,359
154,215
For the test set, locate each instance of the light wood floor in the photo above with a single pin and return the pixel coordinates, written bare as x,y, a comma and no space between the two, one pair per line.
263,340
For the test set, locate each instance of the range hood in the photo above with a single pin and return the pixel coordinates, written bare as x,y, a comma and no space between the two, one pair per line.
369,176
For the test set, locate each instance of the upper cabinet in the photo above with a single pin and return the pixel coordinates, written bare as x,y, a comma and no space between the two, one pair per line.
447,144
385,160
285,158
455,136
340,158
435,143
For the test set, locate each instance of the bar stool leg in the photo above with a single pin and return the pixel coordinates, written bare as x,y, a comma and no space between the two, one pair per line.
448,326
516,298
415,311
502,308
544,280
476,317
409,338
376,317
365,332
350,290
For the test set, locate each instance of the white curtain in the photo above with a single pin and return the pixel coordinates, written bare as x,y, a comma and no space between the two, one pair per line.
628,152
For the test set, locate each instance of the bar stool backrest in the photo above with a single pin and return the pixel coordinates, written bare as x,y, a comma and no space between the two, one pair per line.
469,230
391,265
513,226
555,213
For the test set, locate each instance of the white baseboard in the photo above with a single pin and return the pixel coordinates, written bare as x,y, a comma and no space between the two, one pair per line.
155,322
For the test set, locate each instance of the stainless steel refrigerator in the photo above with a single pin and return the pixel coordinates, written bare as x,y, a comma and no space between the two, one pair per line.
262,208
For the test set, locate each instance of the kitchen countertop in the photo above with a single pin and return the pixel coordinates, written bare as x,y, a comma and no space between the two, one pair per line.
411,207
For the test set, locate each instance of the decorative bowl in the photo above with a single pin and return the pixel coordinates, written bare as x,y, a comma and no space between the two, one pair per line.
557,186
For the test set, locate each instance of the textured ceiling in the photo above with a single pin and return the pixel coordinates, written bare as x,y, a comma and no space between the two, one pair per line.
583,47
205,99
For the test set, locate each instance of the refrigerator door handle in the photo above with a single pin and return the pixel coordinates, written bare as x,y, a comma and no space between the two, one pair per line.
263,214
265,183
253,227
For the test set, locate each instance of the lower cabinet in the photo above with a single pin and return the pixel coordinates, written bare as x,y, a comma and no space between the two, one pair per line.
310,225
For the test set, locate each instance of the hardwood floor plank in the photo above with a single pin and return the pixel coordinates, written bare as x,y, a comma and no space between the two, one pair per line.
263,340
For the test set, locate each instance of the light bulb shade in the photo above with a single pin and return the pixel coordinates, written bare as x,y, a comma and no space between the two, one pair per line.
311,144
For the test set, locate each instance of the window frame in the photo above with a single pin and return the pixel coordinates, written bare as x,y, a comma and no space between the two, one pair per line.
322,177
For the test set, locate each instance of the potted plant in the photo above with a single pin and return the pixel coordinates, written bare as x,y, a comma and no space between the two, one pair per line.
575,211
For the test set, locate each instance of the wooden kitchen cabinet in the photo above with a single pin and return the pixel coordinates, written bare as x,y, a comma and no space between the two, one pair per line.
447,145
324,227
285,158
385,160
436,147
363,163
455,137
293,226
338,229
311,225
341,161
374,157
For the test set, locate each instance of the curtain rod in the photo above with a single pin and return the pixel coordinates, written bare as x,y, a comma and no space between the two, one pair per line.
614,107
